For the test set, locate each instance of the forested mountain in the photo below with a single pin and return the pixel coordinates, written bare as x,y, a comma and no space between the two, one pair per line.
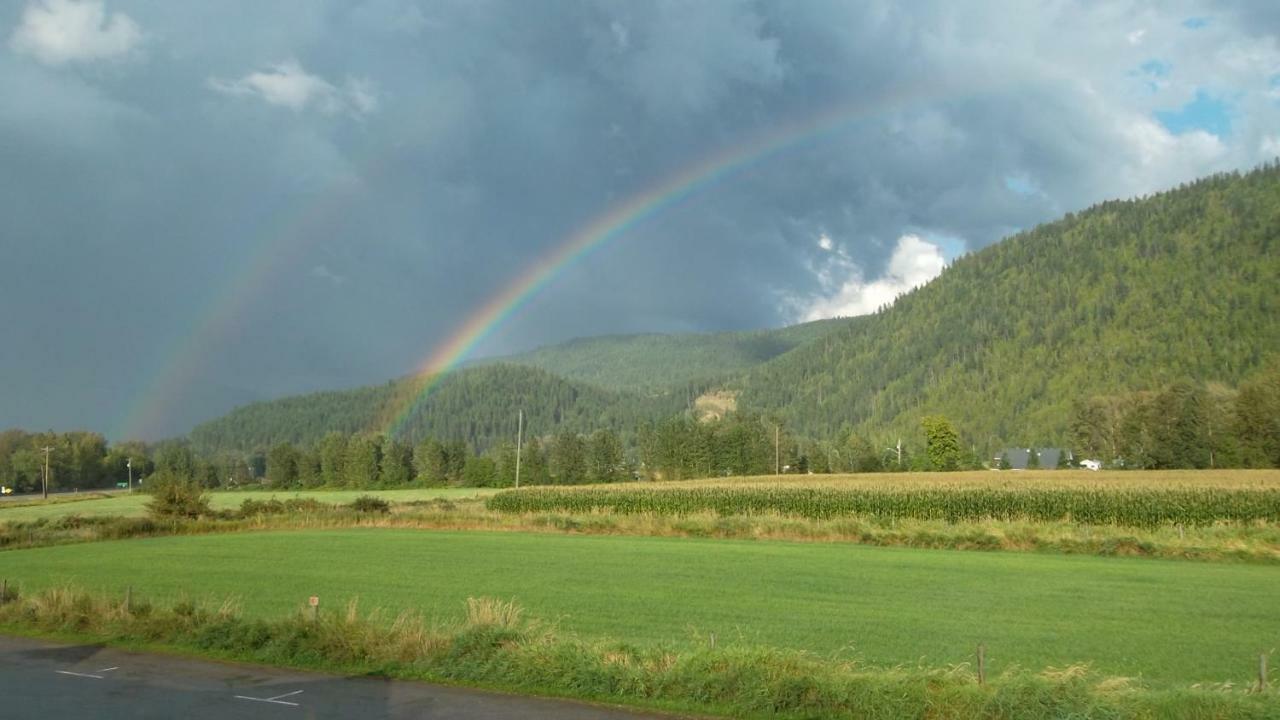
1125,296
476,405
667,363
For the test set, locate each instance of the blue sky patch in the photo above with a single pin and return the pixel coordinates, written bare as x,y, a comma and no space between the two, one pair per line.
952,247
1195,23
1203,113
1158,68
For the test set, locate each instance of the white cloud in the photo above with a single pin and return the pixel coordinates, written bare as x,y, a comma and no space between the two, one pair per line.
60,31
824,242
1270,146
914,262
1136,36
287,84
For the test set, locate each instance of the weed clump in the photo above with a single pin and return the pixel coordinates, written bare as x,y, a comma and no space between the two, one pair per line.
371,504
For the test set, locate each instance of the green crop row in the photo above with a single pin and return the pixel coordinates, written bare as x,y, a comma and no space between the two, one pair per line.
1142,508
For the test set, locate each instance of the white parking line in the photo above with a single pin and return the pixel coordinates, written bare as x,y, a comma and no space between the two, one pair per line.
93,674
276,700
68,672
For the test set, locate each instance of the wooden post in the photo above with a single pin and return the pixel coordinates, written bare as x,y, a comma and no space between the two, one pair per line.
314,602
713,641
982,664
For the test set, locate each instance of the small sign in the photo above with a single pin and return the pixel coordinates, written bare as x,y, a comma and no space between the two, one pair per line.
314,601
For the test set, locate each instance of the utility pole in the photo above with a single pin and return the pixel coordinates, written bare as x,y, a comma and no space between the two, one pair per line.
519,442
777,461
129,464
47,450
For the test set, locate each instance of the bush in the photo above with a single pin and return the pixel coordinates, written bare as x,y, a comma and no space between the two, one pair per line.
173,496
371,504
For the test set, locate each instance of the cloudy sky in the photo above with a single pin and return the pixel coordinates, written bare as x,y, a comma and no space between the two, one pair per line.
203,204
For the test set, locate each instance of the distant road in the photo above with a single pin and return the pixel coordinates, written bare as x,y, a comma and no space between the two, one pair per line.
29,497
42,681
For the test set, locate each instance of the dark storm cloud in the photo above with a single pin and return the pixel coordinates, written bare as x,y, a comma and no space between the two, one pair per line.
337,185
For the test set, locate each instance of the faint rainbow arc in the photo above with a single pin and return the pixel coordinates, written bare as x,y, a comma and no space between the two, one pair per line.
614,222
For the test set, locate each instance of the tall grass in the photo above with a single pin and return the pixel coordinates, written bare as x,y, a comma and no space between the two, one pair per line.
495,645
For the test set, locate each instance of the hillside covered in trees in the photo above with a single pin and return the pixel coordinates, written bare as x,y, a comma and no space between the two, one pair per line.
476,405
1009,343
653,363
1123,297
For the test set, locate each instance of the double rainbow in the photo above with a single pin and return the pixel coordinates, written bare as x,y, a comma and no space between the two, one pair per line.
183,369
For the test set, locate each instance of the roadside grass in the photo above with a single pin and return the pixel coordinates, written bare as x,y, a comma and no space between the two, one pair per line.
496,645
134,505
1168,622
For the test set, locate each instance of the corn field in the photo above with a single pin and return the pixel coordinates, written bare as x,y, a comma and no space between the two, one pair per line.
1137,507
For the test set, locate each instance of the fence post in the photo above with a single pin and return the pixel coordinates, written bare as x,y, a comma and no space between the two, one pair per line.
314,602
982,664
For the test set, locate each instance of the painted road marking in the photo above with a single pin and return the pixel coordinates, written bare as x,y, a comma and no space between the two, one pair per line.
275,699
93,675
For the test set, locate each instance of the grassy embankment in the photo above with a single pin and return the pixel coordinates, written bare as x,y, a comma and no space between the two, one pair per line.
1166,621
496,646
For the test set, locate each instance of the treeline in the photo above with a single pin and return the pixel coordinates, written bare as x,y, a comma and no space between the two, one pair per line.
1185,425
79,460
368,461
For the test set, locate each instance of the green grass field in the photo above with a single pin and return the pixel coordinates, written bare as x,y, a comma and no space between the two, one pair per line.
135,505
1167,621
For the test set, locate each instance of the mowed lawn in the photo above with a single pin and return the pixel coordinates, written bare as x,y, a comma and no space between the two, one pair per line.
1168,621
135,505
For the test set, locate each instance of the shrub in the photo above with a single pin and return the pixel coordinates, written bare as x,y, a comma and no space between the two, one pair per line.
173,496
371,504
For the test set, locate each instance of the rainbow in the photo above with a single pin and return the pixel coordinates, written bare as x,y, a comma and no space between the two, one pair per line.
179,366
182,360
610,225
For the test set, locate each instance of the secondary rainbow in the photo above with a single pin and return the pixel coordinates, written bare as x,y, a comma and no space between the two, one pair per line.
613,223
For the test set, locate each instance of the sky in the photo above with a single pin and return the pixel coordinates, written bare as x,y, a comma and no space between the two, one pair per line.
207,204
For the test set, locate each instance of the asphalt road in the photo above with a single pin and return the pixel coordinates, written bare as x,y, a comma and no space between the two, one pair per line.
40,680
